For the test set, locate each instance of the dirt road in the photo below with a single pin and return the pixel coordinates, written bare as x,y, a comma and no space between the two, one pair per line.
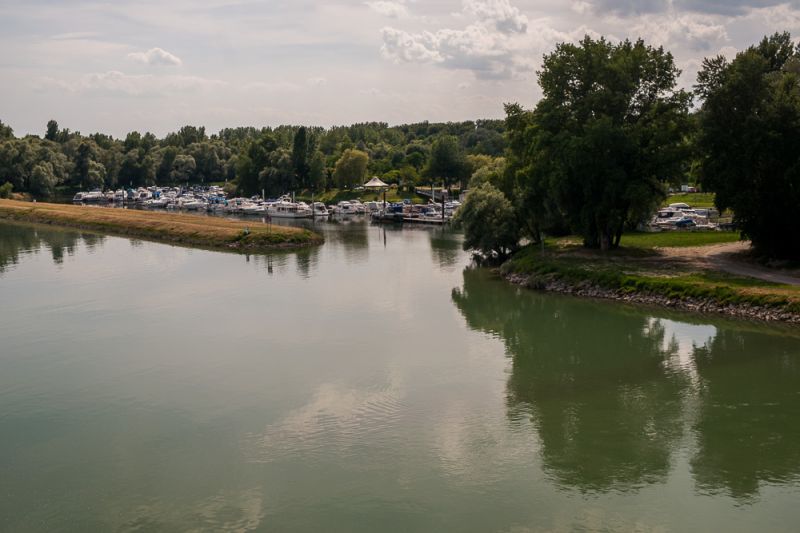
730,258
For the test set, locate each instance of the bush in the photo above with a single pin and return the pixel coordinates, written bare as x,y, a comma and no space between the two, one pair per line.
5,190
489,223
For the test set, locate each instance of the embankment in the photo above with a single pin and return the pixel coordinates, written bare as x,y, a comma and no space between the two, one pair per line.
173,228
655,279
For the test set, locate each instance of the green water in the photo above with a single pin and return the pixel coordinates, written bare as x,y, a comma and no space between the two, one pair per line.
373,384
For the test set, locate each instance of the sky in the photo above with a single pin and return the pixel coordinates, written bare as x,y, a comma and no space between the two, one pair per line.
156,65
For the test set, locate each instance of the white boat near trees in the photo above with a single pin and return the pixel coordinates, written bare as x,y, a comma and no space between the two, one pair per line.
287,209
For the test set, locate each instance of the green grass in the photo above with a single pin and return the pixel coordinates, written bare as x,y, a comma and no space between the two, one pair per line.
665,239
599,271
669,239
336,195
694,199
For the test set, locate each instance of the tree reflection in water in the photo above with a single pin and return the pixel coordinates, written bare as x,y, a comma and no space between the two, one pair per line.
612,393
748,431
18,239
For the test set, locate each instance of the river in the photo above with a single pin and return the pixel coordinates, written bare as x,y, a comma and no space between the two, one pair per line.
376,383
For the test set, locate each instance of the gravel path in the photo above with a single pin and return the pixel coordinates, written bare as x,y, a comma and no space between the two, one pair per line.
731,258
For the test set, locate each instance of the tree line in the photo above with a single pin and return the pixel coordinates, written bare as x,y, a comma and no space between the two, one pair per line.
613,132
275,160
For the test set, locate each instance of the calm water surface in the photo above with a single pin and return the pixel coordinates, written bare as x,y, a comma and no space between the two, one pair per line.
373,384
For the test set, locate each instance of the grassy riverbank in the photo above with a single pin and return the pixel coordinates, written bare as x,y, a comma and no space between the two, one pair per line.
207,232
334,196
643,271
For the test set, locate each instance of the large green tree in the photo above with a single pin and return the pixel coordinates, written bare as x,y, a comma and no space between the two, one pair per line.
448,161
749,141
609,130
300,157
351,168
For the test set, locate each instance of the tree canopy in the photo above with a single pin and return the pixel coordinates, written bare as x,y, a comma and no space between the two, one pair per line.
277,160
609,130
749,139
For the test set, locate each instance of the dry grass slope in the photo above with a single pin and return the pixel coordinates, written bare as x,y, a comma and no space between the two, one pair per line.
210,232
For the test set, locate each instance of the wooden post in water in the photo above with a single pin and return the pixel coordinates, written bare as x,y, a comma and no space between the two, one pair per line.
442,203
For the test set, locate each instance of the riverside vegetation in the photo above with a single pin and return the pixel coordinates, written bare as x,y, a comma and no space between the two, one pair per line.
596,156
210,232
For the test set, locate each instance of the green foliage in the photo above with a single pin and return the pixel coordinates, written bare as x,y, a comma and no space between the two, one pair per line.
485,169
316,171
602,140
43,180
52,130
5,132
241,155
300,158
182,168
5,190
447,161
351,168
489,223
750,141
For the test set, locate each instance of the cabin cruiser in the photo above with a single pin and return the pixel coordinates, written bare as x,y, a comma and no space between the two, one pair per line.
357,207
320,210
161,201
251,208
142,195
193,204
286,209
93,196
352,207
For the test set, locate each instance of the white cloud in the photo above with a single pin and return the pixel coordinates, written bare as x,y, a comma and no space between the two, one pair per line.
505,17
389,9
698,32
402,46
317,82
114,82
499,43
156,57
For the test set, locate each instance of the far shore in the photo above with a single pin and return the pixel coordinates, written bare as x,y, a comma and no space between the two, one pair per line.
207,232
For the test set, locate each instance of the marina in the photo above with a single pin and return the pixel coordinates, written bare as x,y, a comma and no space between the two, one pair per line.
214,200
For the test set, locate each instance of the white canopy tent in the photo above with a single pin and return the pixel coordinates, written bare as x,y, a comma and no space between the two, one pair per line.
375,183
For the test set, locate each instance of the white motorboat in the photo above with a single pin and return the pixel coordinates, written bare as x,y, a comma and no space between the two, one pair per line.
285,209
94,196
320,210
252,209
193,204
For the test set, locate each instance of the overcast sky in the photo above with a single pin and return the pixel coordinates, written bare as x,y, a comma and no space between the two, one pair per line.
148,65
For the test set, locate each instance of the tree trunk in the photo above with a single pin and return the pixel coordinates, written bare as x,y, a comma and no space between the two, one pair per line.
605,241
618,236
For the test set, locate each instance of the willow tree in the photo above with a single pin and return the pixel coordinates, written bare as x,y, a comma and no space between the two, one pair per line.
609,130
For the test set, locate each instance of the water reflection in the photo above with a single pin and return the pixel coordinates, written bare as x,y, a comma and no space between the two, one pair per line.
445,247
351,236
614,395
749,424
17,240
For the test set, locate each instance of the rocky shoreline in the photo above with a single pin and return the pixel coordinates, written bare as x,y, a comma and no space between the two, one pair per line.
706,305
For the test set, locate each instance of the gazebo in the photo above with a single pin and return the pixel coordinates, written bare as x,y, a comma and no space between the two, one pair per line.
377,184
